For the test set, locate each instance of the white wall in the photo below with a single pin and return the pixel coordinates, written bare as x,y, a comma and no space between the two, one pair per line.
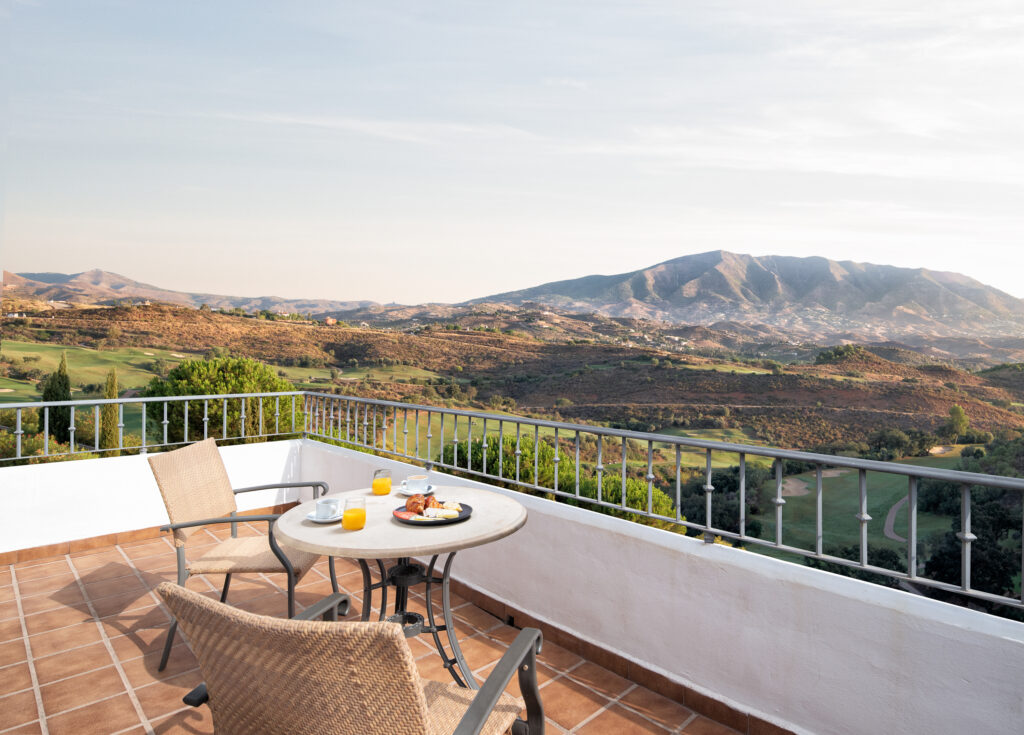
64,501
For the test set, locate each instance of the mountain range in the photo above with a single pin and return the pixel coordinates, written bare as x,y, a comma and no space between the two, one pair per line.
808,298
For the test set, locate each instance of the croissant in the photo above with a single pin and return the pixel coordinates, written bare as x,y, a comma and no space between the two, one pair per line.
416,504
433,502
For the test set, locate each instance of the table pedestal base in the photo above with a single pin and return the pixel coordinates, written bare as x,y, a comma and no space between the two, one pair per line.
402,576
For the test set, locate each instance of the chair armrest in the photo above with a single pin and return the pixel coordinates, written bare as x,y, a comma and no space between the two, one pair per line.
210,521
313,484
521,657
330,605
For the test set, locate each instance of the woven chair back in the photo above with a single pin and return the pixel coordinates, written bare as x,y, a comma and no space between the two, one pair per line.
193,484
300,677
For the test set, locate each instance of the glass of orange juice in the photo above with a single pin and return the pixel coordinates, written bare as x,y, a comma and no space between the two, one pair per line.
381,482
354,516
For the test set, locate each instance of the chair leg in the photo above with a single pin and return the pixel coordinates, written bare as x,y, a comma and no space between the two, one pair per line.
227,583
167,646
182,578
291,594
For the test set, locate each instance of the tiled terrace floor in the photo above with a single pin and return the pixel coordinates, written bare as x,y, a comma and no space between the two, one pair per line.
80,638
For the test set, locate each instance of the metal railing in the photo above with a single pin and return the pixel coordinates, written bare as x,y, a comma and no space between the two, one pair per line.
462,441
68,429
638,475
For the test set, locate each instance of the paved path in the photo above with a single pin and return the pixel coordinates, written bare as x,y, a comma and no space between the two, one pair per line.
890,520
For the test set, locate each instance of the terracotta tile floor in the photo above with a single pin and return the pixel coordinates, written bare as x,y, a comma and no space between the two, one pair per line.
80,638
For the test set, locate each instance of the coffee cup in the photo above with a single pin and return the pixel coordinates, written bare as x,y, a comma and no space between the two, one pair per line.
327,508
416,484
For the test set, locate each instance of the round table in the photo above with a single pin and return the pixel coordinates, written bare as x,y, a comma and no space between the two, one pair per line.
494,516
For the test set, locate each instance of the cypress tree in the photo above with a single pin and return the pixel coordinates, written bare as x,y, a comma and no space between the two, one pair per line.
108,425
58,388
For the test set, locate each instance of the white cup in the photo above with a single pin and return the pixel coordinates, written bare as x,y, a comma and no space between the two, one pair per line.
416,484
327,507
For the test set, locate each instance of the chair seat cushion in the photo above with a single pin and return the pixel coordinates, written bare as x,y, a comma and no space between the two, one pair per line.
447,703
249,554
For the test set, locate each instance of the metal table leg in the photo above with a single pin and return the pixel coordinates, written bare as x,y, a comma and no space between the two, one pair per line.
456,659
401,578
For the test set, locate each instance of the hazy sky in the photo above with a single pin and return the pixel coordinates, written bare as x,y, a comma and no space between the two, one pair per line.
433,150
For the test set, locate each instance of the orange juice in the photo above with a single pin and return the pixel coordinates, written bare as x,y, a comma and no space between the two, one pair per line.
381,485
353,519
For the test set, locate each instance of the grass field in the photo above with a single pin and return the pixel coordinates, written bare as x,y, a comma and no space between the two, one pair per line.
88,366
841,503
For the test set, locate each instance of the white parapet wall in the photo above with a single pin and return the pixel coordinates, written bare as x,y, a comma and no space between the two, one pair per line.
45,504
811,651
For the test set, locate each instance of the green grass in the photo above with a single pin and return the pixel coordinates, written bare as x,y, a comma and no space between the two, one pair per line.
841,503
87,366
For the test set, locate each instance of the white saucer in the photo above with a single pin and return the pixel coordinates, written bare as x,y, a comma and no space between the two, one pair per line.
404,490
332,519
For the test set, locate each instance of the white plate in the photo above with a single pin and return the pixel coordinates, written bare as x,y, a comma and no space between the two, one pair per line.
332,519
404,490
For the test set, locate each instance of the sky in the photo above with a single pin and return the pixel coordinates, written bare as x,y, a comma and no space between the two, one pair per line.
442,151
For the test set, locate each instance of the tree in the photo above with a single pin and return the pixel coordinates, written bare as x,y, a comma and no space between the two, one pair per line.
108,421
58,388
958,422
222,375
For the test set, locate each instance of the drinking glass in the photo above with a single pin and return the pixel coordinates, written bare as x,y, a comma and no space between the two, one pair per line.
381,482
354,516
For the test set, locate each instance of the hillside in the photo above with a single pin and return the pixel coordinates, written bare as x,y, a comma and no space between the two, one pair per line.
98,287
626,384
814,298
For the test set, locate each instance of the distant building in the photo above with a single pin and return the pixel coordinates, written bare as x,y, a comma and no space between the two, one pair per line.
330,321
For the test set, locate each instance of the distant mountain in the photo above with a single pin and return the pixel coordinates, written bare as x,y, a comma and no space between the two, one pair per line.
103,287
812,297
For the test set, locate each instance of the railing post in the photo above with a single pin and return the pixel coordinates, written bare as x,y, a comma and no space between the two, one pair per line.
912,527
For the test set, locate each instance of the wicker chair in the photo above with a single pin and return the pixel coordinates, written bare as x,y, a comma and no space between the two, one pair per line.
275,676
196,491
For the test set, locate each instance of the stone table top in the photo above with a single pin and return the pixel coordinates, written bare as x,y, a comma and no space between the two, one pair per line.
383,537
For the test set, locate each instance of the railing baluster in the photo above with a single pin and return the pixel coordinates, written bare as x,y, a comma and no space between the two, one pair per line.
624,456
679,486
912,527
650,476
184,432
779,502
206,418
96,427
862,515
262,432
17,433
71,430
819,525
277,416
709,537
556,461
405,431
519,451
536,455
483,446
577,463
600,469
120,425
165,421
455,441
224,416
243,401
966,537
501,448
743,490
46,430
